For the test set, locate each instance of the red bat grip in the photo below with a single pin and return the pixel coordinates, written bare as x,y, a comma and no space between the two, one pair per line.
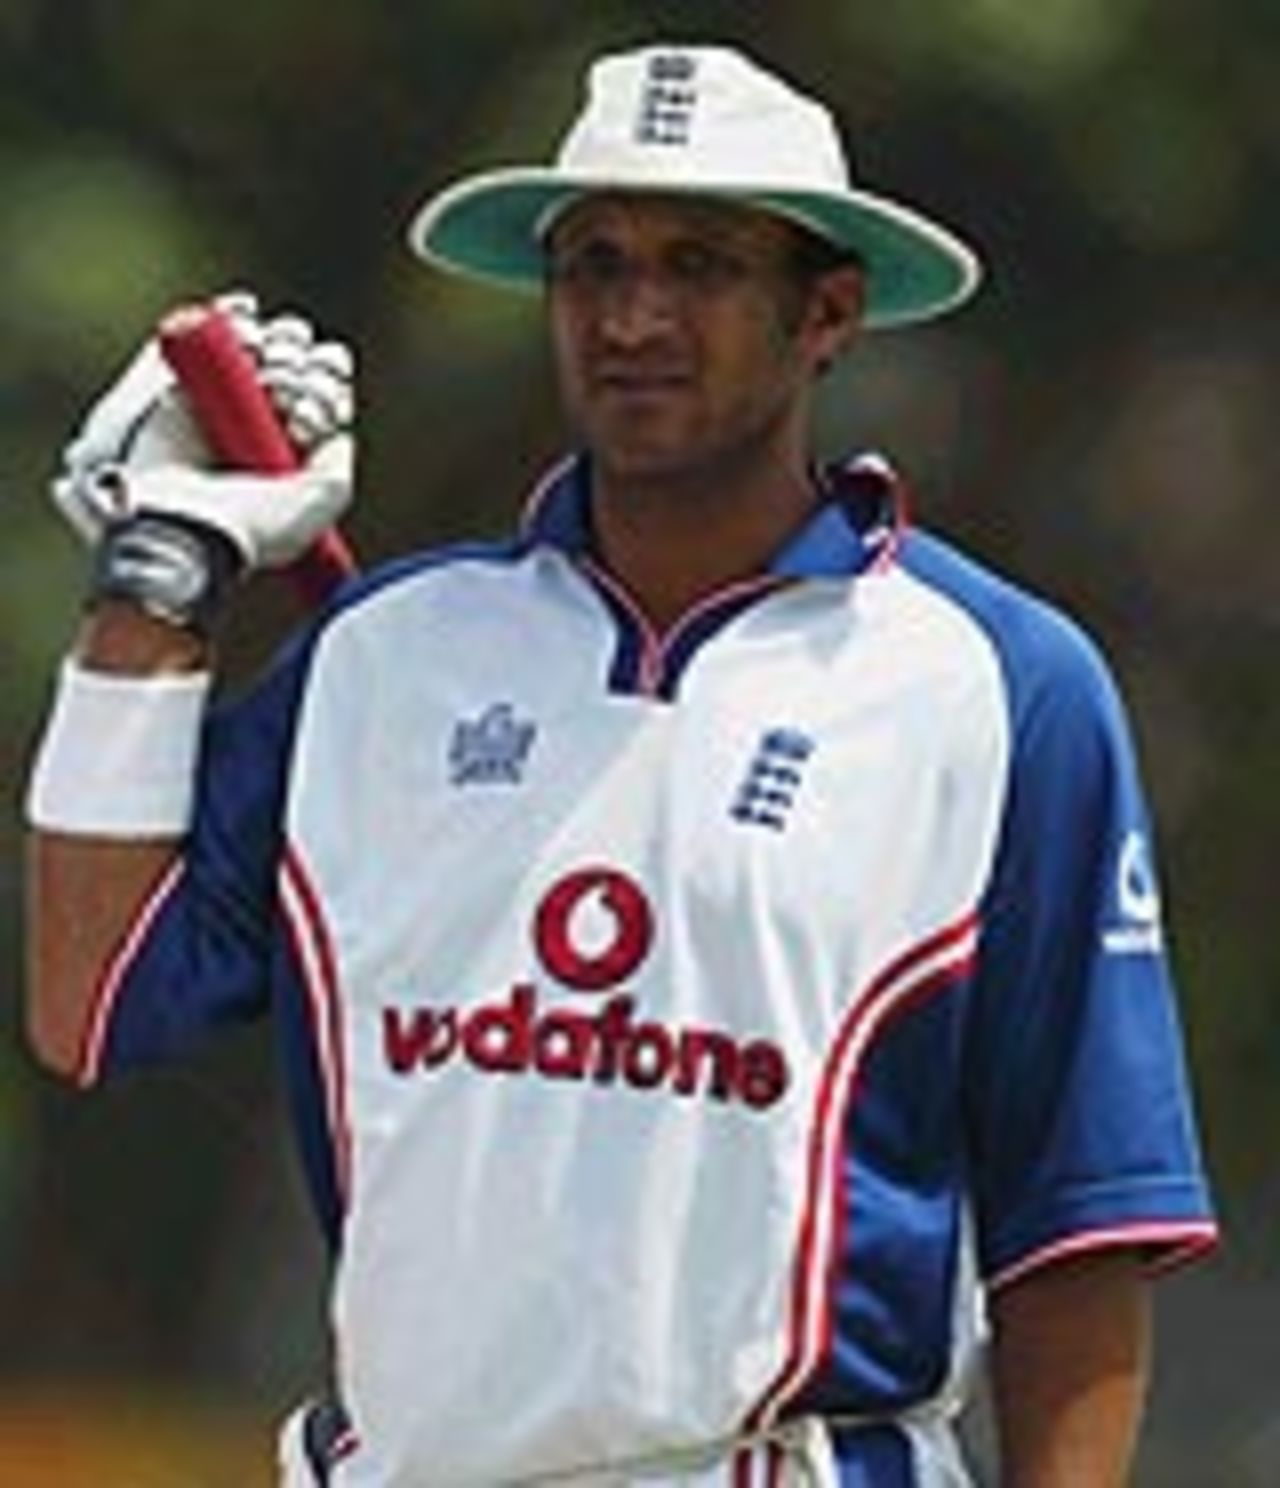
240,422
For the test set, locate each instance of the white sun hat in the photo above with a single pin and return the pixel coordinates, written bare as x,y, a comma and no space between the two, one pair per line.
707,122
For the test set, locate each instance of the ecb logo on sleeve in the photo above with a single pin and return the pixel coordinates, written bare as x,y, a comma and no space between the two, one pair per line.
1136,930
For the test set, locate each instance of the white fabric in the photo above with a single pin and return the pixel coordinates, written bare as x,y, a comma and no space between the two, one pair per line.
142,420
800,1450
271,519
310,382
291,1457
751,128
935,1455
795,1454
118,754
293,1468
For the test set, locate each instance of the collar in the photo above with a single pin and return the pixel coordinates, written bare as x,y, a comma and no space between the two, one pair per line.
857,526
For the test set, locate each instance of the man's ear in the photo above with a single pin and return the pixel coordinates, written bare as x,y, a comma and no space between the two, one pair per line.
835,314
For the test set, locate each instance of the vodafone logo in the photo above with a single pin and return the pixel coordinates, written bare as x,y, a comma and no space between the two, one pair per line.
569,942
592,933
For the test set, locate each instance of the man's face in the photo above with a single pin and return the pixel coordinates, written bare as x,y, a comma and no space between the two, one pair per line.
682,333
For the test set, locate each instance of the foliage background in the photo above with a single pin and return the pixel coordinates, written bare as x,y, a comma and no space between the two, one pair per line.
1101,423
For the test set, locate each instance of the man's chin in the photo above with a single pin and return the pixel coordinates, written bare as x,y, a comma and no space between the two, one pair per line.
638,448
644,463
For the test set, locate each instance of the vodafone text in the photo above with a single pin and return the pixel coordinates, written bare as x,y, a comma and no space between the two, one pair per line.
608,1044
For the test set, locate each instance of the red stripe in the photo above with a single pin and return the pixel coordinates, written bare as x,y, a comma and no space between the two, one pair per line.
347,1445
891,990
777,1462
884,994
324,1002
914,955
106,993
902,504
935,982
1179,1240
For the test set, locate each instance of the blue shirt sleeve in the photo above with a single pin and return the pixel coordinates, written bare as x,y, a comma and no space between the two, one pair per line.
205,958
1079,1108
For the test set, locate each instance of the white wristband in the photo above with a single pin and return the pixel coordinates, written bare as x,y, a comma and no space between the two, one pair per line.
118,756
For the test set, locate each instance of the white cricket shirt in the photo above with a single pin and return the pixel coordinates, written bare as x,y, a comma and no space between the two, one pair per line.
680,1029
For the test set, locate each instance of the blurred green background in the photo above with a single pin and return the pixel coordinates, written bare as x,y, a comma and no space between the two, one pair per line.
1101,422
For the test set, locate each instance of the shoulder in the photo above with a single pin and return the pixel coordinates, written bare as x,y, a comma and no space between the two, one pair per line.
418,572
367,610
1046,657
448,582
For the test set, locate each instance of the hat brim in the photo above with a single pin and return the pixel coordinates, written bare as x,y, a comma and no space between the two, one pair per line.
490,226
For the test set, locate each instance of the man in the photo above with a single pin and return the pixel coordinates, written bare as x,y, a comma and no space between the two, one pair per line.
713,936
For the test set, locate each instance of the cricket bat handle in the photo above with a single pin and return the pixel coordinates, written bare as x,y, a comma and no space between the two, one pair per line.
240,422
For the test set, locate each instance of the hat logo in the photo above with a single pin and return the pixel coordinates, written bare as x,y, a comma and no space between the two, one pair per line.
667,99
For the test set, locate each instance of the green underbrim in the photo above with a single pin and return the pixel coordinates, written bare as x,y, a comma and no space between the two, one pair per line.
491,229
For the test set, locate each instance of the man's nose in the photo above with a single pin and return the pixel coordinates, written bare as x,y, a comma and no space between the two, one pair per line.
641,302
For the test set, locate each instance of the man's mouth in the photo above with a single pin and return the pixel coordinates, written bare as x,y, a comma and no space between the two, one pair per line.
633,382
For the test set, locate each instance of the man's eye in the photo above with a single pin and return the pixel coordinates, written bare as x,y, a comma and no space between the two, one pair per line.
600,267
591,266
700,266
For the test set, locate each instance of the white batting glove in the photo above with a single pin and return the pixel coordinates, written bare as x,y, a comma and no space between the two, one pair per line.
310,382
139,450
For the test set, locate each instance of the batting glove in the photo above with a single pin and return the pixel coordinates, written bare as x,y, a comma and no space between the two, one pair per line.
140,453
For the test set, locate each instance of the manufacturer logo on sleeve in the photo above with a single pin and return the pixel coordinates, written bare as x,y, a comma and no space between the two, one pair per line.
1136,930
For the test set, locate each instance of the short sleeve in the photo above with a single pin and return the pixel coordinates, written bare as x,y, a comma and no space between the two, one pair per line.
1077,1093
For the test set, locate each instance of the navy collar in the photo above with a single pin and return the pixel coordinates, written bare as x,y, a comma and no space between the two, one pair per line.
858,524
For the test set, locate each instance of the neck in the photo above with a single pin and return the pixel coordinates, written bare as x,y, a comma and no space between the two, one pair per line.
673,540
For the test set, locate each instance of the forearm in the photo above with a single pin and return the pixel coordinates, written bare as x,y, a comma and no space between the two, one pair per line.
113,788
82,896
84,890
1070,1365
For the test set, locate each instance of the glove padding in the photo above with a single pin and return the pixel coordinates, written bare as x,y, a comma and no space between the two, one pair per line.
139,449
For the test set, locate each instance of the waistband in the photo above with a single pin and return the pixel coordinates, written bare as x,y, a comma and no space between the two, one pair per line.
799,1452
